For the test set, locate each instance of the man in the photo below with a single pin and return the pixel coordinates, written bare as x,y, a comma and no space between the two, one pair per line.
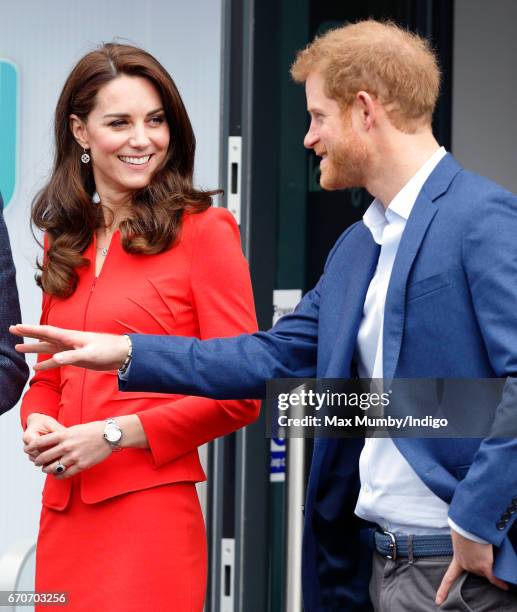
13,369
425,286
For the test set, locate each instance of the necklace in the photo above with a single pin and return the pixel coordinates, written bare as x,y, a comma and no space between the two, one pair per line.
103,250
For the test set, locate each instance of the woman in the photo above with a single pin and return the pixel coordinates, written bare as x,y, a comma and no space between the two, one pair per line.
130,246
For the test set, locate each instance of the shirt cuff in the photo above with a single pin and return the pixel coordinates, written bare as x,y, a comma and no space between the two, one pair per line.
466,534
125,375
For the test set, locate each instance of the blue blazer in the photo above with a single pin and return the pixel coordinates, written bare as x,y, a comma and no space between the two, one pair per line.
13,369
451,312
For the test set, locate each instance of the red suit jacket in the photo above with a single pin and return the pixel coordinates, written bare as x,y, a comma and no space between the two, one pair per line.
200,287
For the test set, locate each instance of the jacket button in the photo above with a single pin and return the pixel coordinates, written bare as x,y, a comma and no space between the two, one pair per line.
501,525
512,509
505,516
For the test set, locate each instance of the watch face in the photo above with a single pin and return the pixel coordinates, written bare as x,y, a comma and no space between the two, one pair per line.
112,433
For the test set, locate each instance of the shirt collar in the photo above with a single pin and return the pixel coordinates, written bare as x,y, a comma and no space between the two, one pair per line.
375,218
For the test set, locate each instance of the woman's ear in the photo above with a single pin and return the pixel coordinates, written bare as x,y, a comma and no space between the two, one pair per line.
79,131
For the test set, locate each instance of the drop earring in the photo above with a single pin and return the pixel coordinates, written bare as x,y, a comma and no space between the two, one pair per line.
85,158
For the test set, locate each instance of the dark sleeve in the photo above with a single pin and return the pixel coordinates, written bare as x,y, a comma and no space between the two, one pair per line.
228,368
13,369
231,368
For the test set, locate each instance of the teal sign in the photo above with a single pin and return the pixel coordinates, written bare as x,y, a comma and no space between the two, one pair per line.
8,128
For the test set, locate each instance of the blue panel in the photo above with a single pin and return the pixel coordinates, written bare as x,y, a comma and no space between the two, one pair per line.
8,128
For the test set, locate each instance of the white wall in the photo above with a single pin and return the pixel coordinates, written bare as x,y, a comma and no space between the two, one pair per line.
484,135
45,39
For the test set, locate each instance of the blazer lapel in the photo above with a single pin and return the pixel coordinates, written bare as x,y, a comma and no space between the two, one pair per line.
416,227
395,308
353,286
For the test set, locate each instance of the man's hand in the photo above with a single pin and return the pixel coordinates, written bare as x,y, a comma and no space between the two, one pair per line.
69,347
78,448
470,557
38,425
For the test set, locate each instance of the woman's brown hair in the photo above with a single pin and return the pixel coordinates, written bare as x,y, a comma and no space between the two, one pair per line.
64,208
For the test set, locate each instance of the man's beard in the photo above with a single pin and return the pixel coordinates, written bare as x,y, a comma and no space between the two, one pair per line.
345,166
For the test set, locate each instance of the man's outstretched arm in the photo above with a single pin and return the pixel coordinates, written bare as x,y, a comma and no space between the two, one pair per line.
222,368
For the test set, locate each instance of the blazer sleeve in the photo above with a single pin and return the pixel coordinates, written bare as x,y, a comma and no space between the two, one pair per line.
235,367
485,501
228,367
44,393
13,369
222,298
165,364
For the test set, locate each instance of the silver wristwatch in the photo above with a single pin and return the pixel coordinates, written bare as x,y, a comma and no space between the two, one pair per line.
113,434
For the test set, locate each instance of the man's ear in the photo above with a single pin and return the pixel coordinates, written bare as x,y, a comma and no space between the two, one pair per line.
366,109
79,131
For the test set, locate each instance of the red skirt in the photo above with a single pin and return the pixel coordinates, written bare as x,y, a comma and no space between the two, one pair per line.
138,552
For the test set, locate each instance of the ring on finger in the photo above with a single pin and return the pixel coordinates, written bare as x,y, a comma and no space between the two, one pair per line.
60,468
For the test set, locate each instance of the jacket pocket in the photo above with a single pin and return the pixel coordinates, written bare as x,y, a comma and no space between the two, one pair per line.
428,285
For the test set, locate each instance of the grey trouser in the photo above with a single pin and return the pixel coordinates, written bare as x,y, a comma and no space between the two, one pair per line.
399,586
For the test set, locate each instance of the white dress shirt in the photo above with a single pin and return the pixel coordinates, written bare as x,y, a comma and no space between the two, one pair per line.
392,495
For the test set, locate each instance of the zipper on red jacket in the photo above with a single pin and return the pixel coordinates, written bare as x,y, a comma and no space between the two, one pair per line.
95,279
84,329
